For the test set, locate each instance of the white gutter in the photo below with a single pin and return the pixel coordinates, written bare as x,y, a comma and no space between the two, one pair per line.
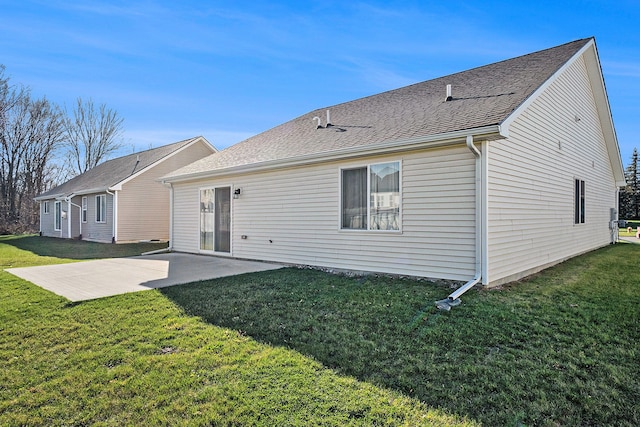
396,146
454,299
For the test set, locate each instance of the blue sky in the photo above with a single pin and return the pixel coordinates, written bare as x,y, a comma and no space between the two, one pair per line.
230,69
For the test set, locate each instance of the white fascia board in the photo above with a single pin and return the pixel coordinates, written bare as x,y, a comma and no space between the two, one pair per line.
527,102
430,141
49,197
118,186
594,71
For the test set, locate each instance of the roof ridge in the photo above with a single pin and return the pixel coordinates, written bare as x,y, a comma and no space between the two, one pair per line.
456,73
482,96
412,85
184,141
113,171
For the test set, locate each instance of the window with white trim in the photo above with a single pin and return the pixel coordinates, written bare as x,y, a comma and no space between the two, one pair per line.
579,202
370,197
84,209
57,219
101,208
46,207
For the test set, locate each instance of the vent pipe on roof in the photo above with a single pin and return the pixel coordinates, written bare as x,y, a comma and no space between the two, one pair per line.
136,165
449,97
329,119
319,124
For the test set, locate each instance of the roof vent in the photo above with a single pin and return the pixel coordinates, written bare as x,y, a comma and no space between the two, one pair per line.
329,124
449,97
136,165
319,124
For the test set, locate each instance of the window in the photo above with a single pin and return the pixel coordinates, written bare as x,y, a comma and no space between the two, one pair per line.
46,207
57,220
371,197
101,208
84,209
579,204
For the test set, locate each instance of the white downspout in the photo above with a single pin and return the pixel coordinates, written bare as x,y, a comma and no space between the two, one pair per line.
170,217
68,218
454,299
114,227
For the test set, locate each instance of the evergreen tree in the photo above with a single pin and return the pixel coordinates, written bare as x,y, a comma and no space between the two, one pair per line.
630,195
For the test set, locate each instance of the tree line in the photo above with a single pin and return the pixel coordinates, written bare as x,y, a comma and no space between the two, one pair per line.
629,202
43,145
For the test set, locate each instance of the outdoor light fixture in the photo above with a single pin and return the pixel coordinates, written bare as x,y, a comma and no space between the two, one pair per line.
236,193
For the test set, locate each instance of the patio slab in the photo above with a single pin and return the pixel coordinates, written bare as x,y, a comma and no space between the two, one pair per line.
80,281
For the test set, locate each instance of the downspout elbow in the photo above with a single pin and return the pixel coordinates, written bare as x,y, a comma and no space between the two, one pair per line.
454,299
472,147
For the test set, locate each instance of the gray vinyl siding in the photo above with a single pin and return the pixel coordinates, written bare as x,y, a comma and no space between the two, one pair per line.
95,231
293,216
143,202
47,220
531,181
76,215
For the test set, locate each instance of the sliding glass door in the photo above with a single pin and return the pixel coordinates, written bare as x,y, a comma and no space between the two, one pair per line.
215,219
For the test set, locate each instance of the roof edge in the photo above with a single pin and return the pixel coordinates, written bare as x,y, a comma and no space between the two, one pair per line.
63,196
506,123
592,61
118,186
400,145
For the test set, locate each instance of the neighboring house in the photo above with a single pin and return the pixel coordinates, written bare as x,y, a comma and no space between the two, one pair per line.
512,168
120,200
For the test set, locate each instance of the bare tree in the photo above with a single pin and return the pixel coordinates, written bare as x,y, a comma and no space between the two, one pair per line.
30,132
93,135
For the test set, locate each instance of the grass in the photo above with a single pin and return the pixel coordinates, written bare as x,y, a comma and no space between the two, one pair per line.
25,250
140,359
302,347
623,232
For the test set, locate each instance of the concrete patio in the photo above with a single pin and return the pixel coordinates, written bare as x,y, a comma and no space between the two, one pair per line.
88,280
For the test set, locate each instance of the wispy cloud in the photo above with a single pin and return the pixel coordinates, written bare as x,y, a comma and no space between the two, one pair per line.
625,69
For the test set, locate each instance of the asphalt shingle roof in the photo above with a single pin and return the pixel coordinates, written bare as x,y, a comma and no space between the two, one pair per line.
114,171
482,96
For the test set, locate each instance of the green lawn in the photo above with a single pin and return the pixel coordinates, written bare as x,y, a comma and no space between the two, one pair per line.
624,233
302,347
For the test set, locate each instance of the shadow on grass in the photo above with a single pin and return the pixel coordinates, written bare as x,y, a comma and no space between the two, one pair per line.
77,249
387,333
517,356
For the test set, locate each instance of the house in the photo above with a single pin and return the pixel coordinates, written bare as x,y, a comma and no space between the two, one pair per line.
120,200
482,176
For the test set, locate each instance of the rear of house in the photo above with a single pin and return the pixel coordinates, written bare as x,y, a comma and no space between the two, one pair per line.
515,170
294,215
